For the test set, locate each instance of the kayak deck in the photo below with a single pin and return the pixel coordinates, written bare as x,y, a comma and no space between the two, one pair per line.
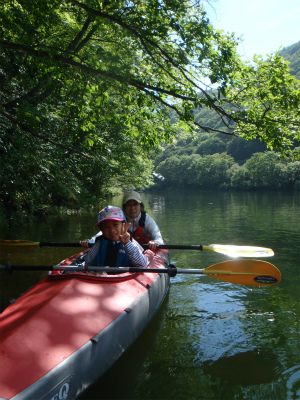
60,315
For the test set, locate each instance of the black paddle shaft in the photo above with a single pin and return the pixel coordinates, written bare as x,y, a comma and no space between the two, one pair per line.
9,268
176,246
53,244
145,246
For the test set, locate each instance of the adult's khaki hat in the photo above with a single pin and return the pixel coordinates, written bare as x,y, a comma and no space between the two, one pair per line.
132,195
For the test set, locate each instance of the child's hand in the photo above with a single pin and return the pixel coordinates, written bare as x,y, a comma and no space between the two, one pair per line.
125,235
84,243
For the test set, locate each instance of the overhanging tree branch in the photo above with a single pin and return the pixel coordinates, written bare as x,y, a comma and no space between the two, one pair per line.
148,89
25,128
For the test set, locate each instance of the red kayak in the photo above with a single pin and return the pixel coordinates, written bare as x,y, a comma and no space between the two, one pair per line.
66,331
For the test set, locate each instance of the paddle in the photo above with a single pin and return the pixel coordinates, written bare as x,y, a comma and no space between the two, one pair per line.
243,272
228,250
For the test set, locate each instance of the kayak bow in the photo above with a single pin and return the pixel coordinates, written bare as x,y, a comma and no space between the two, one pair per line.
70,328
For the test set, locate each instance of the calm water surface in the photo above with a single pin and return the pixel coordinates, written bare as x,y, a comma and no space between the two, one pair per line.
210,339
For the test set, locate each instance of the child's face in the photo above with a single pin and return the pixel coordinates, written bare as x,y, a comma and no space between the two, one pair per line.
112,229
132,209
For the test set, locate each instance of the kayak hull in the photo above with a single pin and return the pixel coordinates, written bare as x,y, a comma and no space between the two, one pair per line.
82,326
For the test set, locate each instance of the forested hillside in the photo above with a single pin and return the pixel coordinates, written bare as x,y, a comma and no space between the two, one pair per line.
220,161
292,54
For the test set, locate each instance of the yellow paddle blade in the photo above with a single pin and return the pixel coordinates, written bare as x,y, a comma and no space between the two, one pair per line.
245,272
240,251
21,244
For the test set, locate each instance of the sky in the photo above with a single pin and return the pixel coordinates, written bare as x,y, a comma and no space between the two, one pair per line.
266,25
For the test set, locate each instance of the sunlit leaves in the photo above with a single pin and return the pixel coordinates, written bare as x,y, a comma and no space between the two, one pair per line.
268,103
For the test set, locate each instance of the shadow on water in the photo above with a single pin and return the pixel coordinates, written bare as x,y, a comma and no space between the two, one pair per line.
249,368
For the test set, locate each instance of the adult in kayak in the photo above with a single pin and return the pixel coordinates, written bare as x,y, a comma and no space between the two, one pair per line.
115,248
143,228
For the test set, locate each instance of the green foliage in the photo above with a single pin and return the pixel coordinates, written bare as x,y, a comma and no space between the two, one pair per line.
207,172
241,149
219,171
212,171
88,90
255,174
204,144
292,55
211,146
157,57
36,175
267,171
269,104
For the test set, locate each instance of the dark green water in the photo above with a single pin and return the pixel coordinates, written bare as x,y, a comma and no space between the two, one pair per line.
210,339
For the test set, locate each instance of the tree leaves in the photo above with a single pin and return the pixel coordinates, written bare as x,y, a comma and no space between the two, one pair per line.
269,99
84,78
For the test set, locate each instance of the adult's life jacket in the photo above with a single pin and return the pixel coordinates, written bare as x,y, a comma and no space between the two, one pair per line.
117,253
138,235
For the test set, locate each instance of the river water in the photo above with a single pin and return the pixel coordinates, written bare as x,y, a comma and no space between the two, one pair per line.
210,339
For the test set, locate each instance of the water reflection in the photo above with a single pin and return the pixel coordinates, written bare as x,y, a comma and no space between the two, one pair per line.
214,340
293,382
253,367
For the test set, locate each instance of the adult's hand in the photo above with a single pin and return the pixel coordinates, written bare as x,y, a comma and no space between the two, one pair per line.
153,245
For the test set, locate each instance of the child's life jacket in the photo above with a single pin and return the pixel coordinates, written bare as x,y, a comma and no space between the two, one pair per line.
112,254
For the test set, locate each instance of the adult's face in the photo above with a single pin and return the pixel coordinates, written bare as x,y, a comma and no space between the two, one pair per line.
132,209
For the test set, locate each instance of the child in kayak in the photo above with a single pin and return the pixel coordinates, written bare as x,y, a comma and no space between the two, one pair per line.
143,228
115,248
